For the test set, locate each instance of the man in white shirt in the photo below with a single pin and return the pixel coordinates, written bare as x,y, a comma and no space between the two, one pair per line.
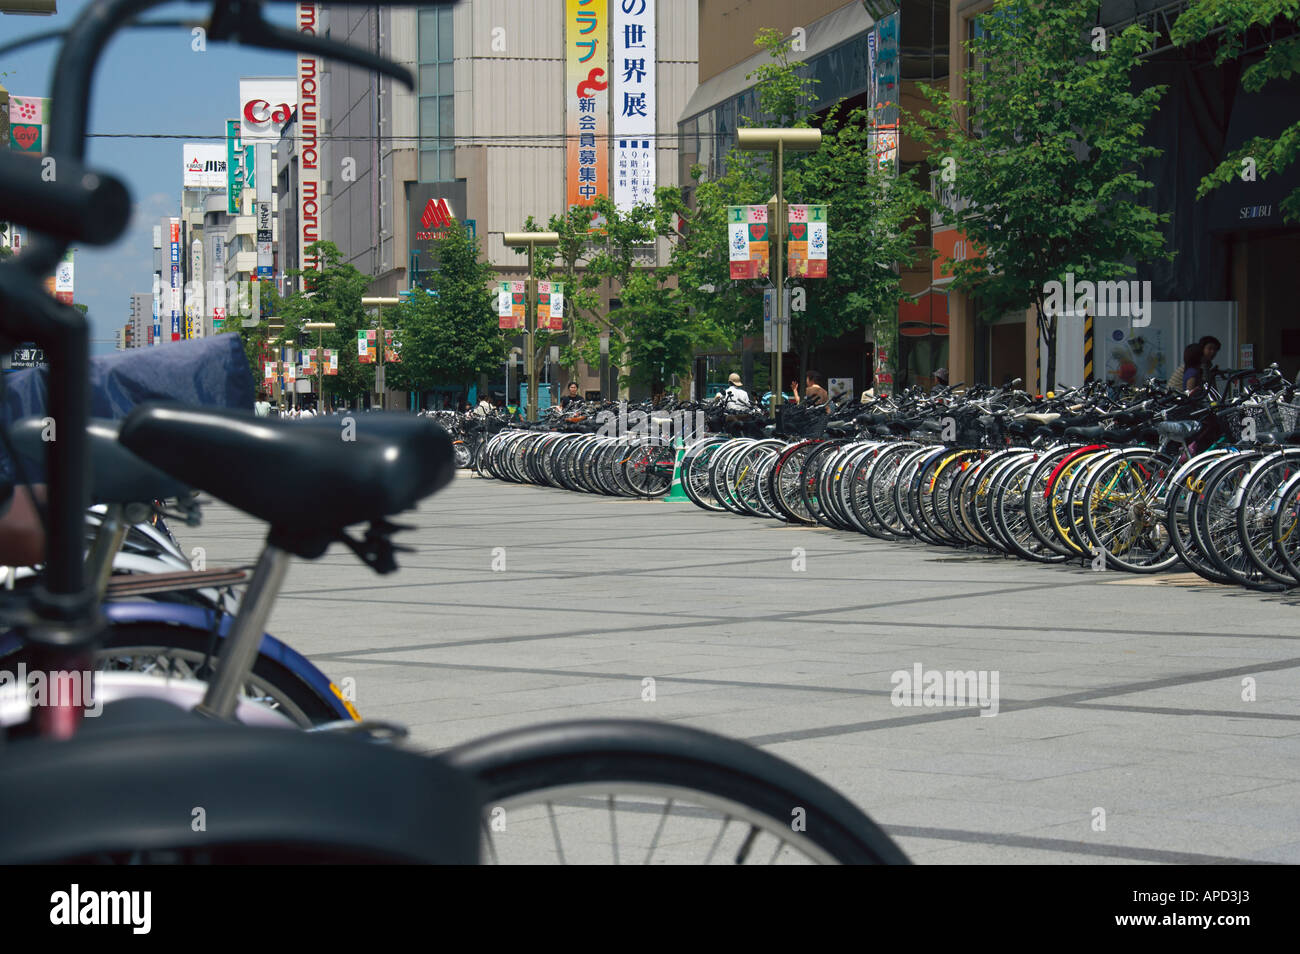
263,407
736,396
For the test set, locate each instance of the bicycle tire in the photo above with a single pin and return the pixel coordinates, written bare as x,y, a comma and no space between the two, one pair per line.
562,757
299,700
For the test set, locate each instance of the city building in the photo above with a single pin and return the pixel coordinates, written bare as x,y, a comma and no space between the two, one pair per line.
831,38
1232,251
1230,275
482,138
140,320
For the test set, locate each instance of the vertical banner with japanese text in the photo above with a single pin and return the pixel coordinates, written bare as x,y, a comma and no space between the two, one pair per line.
234,173
634,102
886,93
366,346
586,81
175,261
310,204
195,307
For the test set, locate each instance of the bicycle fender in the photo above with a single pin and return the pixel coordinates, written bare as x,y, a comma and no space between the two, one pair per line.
199,618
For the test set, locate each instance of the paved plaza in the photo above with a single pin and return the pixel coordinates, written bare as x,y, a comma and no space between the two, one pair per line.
1138,719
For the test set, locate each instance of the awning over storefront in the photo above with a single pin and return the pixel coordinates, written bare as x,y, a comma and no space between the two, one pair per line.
824,34
928,315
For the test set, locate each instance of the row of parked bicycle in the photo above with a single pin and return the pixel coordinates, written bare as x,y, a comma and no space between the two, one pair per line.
1140,481
630,466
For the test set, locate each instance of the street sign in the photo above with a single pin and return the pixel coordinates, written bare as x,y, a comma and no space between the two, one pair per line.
769,302
26,356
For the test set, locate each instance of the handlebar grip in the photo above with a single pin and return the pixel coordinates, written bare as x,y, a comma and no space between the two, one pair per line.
64,199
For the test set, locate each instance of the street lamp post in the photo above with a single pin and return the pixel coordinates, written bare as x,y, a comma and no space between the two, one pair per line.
320,327
532,240
378,304
778,141
270,340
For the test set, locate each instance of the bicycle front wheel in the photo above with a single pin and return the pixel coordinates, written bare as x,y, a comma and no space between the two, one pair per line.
637,792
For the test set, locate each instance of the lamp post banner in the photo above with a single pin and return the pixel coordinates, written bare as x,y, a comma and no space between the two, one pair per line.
747,241
806,241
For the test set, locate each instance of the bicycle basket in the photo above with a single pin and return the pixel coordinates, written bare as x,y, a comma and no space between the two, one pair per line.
1287,416
1232,420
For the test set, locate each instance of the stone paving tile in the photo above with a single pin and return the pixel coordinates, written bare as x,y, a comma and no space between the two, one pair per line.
1138,830
1110,694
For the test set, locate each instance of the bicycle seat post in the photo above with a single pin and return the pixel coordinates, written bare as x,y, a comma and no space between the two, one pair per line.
241,646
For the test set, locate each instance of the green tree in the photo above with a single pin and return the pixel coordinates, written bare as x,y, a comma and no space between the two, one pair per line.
1281,60
662,334
585,260
691,303
783,94
873,224
1045,148
332,294
254,338
452,336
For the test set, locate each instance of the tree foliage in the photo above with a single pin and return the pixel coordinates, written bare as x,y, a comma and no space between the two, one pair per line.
1045,148
1281,61
668,313
332,294
873,225
783,94
451,336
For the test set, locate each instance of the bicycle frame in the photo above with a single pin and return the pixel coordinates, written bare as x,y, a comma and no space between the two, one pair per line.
64,619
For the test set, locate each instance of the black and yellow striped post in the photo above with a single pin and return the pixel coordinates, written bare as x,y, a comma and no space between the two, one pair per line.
1038,359
1087,349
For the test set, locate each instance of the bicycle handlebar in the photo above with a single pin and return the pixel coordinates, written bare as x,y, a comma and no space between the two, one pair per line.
62,198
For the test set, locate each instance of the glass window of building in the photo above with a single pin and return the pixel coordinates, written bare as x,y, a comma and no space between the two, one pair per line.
437,92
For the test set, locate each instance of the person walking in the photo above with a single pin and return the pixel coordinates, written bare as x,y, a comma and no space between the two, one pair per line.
263,407
572,397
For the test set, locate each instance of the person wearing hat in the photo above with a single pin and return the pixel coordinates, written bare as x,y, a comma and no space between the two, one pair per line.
736,396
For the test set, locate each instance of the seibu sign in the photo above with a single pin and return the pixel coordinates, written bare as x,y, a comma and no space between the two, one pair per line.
309,181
